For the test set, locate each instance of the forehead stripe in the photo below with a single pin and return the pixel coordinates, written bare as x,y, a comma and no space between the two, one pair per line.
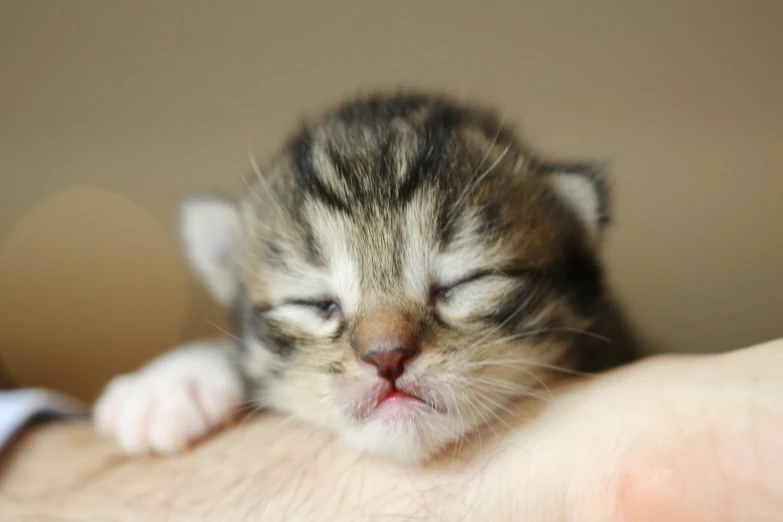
307,176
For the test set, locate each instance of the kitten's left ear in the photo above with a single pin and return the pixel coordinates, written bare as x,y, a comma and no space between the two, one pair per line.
210,228
584,189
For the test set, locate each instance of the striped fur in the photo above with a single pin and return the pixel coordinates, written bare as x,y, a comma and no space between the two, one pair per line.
431,212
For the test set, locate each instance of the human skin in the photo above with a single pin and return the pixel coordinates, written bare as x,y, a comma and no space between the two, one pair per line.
674,438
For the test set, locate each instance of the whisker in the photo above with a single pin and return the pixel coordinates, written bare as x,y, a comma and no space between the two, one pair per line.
483,399
463,435
452,406
504,384
498,383
552,330
498,405
477,181
526,362
480,416
246,413
509,388
222,330
265,184
262,180
492,144
506,320
255,194
470,187
527,371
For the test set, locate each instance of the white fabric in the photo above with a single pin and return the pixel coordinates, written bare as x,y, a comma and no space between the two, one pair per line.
18,407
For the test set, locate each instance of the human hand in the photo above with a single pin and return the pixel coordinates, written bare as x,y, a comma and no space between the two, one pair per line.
670,438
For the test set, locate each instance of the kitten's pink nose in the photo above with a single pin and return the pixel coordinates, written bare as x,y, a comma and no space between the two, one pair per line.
390,363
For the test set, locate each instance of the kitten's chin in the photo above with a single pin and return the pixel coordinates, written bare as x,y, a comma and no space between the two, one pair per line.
410,436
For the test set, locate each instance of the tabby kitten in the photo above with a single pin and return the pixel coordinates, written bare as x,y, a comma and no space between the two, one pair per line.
401,270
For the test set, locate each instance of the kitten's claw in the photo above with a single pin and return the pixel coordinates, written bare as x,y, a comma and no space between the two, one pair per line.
172,402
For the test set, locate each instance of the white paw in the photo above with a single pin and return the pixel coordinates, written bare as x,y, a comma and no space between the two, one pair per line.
175,400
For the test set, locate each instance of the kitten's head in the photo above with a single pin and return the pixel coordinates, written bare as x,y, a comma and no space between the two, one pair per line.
403,268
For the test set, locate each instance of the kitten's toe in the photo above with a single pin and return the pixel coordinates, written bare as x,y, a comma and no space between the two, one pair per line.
188,412
218,402
171,404
109,403
177,420
132,423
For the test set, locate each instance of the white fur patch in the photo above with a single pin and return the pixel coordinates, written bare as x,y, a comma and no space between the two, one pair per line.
211,233
419,250
580,194
333,232
344,273
299,281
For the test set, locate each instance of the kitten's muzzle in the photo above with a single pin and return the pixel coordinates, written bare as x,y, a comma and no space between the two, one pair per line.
387,339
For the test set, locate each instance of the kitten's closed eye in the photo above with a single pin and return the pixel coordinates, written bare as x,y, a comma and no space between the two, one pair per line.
477,294
327,308
316,316
443,292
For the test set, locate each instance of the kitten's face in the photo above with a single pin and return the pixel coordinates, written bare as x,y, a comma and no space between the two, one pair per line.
407,268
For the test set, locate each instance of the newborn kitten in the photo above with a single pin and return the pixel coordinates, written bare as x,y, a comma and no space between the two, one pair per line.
401,270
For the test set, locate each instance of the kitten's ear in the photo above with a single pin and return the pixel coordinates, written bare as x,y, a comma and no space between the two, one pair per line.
584,189
210,229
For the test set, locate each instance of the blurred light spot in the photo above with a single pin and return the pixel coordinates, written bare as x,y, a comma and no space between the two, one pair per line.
91,285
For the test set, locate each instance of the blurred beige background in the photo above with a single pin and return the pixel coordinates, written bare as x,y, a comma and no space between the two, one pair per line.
112,111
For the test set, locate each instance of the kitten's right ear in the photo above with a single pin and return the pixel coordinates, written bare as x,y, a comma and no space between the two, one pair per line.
584,190
210,229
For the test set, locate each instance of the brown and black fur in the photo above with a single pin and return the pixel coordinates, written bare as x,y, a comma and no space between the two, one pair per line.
360,140
370,164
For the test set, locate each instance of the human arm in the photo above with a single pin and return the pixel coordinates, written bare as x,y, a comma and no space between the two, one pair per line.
669,438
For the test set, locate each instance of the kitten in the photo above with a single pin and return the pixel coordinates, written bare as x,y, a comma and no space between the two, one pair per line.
399,271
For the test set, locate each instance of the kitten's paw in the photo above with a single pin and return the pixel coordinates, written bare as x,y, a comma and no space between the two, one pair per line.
172,402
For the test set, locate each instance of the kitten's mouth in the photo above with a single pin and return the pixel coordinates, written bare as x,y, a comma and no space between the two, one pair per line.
396,394
389,400
405,398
